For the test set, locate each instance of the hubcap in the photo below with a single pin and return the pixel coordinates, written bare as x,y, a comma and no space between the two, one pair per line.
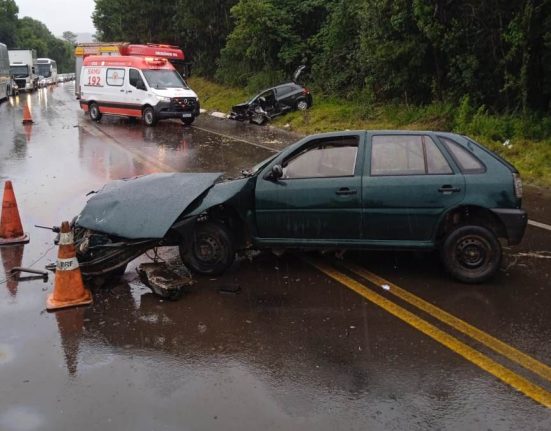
472,252
302,105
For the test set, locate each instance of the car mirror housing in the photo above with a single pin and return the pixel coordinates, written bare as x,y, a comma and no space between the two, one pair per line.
277,172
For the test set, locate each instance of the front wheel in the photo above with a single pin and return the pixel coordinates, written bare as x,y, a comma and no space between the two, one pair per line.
471,254
188,120
149,117
211,251
95,114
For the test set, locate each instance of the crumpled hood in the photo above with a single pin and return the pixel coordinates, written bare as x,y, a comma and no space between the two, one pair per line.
143,207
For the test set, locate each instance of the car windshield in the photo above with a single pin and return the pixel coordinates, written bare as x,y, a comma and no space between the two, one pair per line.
162,79
44,70
19,70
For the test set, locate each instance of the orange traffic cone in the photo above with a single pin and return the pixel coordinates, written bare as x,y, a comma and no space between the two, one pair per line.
11,230
69,288
27,119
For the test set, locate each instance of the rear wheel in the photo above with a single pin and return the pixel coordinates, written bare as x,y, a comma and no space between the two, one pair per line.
211,251
471,254
95,114
302,105
149,117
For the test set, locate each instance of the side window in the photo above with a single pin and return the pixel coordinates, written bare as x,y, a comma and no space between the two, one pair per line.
115,77
407,155
284,90
324,158
397,155
467,162
436,163
134,77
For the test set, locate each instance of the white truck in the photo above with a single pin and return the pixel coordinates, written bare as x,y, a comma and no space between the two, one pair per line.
23,68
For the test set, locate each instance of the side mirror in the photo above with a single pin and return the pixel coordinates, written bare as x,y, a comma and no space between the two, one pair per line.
277,172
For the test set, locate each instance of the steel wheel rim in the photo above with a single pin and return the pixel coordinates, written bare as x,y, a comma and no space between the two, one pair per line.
472,252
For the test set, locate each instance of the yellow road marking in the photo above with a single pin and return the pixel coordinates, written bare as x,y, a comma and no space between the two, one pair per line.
518,382
493,343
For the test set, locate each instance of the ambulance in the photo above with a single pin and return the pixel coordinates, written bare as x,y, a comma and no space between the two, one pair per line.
132,86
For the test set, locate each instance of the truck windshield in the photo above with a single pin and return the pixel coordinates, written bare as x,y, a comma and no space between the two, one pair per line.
44,70
19,70
162,79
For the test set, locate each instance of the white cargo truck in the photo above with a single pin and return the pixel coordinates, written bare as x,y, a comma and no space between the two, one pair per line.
23,68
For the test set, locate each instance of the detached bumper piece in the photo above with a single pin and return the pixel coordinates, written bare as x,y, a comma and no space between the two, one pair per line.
164,281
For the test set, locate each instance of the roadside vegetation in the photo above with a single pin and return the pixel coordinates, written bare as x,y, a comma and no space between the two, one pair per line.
28,33
523,141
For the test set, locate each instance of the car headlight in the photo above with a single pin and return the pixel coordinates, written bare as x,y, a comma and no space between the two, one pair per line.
163,99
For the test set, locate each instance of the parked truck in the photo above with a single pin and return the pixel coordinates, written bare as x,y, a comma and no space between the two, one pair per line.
23,68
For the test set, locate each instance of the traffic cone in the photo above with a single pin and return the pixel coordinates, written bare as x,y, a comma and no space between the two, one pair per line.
69,288
27,119
11,230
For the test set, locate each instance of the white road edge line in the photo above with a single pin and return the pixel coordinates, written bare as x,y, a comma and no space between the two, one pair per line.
540,225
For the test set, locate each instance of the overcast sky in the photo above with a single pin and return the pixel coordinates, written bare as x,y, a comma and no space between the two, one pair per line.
60,15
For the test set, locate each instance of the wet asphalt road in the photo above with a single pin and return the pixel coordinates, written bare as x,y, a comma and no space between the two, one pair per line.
308,342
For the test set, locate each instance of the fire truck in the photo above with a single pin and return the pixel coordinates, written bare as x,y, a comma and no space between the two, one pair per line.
170,52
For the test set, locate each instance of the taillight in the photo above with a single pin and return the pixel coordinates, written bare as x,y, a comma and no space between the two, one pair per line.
518,185
305,91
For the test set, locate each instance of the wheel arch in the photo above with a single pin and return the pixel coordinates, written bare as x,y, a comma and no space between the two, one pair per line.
469,215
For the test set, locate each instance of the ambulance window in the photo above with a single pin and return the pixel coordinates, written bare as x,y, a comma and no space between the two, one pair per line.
134,77
115,77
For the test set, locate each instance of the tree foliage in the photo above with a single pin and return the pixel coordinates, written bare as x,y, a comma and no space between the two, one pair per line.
28,33
493,53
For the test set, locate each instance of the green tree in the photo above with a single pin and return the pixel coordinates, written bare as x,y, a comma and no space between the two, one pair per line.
70,37
8,22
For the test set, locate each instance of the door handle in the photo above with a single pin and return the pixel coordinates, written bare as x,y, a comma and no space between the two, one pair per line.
129,91
122,91
343,191
449,189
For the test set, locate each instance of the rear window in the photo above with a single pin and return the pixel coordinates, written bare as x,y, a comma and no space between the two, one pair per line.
468,162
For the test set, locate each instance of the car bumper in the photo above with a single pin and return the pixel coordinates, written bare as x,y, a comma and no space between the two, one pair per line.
515,221
167,110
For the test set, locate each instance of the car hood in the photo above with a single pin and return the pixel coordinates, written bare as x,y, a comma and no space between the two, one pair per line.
143,207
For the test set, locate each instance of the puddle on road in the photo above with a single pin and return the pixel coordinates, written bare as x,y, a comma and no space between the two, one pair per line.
20,418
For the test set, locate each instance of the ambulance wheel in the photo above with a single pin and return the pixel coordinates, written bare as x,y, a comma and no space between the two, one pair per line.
149,117
187,121
93,109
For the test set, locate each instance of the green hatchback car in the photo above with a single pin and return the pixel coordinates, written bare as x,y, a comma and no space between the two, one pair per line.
387,190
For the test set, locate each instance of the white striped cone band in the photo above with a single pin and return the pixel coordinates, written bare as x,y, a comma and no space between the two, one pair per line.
66,238
66,264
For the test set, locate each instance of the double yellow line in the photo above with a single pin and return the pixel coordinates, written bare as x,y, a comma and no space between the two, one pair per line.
531,390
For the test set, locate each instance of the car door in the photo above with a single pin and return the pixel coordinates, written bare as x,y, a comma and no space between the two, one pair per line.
408,183
317,197
136,90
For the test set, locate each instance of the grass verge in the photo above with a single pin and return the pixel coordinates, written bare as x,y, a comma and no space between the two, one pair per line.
523,141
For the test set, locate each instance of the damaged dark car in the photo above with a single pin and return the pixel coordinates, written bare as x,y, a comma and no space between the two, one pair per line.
389,190
274,101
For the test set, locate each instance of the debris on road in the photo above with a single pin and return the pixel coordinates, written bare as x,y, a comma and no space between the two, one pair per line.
162,280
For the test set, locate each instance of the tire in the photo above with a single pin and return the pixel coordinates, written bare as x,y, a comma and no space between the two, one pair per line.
211,251
471,254
149,117
302,105
187,121
93,110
